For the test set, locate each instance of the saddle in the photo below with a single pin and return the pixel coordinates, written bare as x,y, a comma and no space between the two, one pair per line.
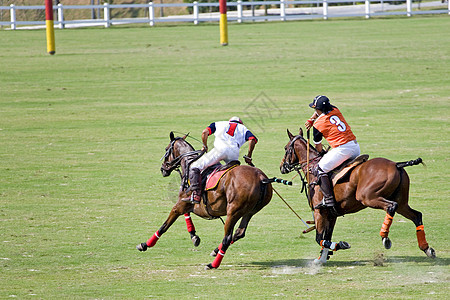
212,175
340,172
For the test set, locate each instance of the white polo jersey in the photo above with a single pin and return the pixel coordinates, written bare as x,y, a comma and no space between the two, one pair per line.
229,134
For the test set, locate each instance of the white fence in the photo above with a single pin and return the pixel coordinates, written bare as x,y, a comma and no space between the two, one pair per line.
285,10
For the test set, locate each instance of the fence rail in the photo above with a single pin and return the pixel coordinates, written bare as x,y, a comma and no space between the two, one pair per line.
284,10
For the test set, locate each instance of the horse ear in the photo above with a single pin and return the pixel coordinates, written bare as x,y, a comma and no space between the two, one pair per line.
290,135
300,131
172,136
187,134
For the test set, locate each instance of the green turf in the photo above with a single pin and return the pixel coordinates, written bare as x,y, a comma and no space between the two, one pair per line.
82,133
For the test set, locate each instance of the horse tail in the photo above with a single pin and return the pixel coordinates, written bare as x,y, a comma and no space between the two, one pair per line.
274,179
410,163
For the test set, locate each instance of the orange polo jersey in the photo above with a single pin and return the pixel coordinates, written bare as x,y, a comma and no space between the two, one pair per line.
334,128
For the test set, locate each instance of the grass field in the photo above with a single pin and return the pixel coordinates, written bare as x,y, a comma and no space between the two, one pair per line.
82,133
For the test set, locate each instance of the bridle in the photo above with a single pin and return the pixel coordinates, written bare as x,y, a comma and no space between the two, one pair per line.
293,163
175,164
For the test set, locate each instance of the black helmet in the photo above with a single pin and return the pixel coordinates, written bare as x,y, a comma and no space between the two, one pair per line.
321,102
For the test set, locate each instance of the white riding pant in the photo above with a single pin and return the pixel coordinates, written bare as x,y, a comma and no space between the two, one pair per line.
215,156
338,155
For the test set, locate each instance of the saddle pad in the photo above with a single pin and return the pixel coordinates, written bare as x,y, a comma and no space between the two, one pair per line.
213,179
357,161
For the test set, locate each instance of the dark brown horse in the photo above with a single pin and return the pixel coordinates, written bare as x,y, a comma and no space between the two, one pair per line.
239,195
377,183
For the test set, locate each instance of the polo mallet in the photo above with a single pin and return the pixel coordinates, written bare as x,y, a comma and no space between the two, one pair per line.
308,228
307,163
307,178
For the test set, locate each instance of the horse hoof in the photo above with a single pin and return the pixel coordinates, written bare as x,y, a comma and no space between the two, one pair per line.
209,267
195,240
387,243
320,261
142,247
430,252
344,245
323,257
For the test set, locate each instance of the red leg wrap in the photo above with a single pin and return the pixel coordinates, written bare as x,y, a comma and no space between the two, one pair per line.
386,225
216,263
423,245
189,224
152,241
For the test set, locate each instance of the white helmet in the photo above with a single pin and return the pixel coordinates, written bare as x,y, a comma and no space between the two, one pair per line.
236,120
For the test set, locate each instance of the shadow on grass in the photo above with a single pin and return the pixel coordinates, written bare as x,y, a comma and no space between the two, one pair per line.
389,260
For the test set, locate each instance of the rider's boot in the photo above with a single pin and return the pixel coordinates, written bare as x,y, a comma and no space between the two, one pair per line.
326,187
196,185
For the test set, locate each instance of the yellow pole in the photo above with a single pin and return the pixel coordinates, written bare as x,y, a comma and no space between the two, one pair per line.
49,27
223,22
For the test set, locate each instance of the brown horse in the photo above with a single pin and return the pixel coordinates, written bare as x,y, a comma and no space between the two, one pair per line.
377,183
240,194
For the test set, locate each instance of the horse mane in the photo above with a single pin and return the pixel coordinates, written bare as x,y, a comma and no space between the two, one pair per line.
306,143
183,138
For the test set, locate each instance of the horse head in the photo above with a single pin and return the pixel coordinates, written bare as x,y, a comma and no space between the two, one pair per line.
173,157
295,152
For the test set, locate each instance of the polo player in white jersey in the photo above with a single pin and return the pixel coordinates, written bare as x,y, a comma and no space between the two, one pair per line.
229,138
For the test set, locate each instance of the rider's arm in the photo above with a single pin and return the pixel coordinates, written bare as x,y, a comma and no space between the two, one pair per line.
251,146
205,135
317,137
309,123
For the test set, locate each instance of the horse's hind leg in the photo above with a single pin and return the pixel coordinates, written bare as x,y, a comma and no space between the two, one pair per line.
240,231
191,229
238,234
227,240
416,217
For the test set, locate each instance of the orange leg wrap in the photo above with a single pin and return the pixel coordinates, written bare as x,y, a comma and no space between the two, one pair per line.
386,225
423,245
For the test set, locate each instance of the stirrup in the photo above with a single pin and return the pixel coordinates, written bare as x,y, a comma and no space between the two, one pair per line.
195,199
323,204
191,200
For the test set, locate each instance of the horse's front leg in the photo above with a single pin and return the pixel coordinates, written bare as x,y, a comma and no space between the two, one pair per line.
179,208
325,222
191,229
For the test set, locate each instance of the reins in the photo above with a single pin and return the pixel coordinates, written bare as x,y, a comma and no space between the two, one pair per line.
303,166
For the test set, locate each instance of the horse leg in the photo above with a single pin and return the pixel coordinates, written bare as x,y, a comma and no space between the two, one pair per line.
179,209
372,199
226,242
240,231
238,234
324,231
384,231
191,229
416,217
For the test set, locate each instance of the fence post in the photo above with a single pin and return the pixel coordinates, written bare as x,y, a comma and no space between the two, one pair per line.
151,13
61,16
195,12
12,12
367,9
106,16
325,10
282,10
408,7
239,11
